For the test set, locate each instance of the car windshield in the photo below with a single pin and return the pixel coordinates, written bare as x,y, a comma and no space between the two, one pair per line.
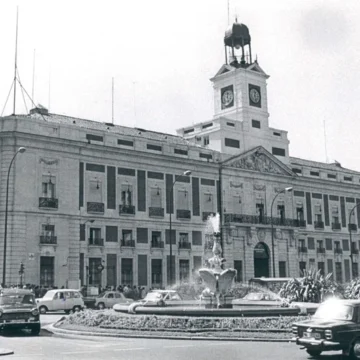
334,310
101,295
153,296
16,299
254,296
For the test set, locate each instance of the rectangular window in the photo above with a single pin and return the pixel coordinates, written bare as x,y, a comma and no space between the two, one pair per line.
184,270
302,267
278,151
282,268
155,238
127,235
127,271
180,152
230,124
156,273
348,178
48,186
95,191
125,142
197,238
321,267
206,140
47,271
188,131
205,156
183,200
207,125
345,244
355,270
256,124
126,171
232,143
276,133
330,267
347,270
311,264
154,147
331,176
155,197
111,233
126,195
155,175
328,244
314,173
238,268
94,273
208,203
297,171
90,137
142,235
311,243
338,272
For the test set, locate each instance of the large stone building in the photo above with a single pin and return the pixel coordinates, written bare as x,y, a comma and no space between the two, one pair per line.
90,202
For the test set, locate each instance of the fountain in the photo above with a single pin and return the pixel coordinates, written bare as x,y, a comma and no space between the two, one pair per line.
217,280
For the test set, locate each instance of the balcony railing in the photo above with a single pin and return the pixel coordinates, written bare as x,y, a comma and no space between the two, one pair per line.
184,245
157,244
355,251
96,241
320,250
336,226
156,211
183,214
265,220
338,251
352,227
300,223
128,243
48,239
95,207
127,209
302,249
318,224
206,214
45,202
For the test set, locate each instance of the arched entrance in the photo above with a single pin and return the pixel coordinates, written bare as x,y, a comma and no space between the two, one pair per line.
261,260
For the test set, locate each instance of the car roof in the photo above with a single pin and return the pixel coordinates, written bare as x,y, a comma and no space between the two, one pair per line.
61,290
164,291
16,291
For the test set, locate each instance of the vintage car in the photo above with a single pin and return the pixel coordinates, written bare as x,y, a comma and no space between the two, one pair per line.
334,326
108,299
18,310
258,298
61,299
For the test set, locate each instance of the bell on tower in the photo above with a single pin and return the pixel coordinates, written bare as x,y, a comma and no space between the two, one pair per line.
237,36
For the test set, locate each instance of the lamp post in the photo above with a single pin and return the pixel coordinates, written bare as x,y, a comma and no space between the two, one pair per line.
287,189
185,173
351,248
19,150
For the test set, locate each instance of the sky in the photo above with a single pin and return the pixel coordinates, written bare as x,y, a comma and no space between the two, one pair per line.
160,55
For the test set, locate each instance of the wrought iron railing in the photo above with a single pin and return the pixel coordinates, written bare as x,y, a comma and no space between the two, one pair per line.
320,250
300,223
127,209
96,241
157,244
338,251
48,239
184,245
318,224
352,227
183,214
336,226
302,249
95,207
264,220
156,211
45,202
128,243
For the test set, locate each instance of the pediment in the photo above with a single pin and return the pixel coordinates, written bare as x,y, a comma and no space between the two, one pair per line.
256,68
224,69
260,160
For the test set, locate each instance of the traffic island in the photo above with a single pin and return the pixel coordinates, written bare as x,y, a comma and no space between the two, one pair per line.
110,323
4,352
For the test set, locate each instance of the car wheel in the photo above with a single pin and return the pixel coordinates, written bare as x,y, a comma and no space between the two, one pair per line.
76,308
43,309
313,352
101,306
355,350
35,330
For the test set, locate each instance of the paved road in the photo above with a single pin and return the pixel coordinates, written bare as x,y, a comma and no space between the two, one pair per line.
46,346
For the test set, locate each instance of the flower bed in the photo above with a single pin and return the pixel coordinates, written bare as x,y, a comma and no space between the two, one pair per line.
108,319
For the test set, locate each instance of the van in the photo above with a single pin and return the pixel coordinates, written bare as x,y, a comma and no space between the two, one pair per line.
60,299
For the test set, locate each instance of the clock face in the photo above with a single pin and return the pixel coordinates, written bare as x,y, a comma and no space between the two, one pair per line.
254,96
227,97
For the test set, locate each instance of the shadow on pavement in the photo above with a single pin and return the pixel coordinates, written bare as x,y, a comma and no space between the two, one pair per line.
24,333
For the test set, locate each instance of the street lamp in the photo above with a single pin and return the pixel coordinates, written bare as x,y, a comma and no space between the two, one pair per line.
19,150
287,189
351,247
185,173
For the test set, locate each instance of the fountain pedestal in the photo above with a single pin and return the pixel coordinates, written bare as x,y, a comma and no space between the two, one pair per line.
211,303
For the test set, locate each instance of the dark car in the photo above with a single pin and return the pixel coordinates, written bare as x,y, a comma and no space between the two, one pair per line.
18,310
334,326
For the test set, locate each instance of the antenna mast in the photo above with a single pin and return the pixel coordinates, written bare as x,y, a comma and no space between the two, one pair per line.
112,100
33,79
15,67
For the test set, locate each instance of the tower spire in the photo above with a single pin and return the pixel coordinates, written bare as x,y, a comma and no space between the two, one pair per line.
15,64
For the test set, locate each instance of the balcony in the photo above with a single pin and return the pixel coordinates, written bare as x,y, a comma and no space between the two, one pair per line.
318,224
336,226
300,223
157,244
355,251
96,242
183,214
338,251
302,249
95,207
51,203
48,240
320,250
127,209
184,245
206,214
264,220
127,243
156,212
352,227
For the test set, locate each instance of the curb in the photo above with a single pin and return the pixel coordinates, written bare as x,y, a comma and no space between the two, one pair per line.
4,352
79,333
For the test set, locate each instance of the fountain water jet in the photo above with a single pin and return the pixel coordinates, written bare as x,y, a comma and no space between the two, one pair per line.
217,280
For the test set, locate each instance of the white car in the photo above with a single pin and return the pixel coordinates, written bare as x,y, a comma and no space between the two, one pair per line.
60,299
108,299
